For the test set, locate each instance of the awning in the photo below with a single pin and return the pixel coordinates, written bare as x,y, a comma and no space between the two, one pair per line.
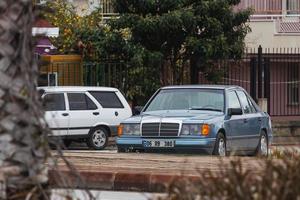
48,32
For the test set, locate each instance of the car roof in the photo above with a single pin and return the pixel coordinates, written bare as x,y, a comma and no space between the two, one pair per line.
76,89
222,87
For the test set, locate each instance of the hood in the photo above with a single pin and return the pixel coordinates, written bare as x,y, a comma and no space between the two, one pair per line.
175,116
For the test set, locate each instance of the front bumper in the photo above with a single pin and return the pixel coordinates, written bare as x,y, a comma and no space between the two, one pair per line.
205,145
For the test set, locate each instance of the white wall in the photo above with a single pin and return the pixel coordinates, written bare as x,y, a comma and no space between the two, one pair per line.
264,34
85,7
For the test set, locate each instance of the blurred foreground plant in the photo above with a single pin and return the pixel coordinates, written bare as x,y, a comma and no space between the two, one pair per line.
274,179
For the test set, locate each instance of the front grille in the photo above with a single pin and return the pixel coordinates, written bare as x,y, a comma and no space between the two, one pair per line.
169,129
157,129
150,129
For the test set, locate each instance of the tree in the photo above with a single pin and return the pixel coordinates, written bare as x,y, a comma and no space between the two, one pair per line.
140,74
62,14
23,140
185,31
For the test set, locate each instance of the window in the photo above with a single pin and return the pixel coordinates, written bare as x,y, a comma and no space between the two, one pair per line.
186,98
293,84
80,101
244,101
54,102
252,107
233,101
293,6
107,99
52,79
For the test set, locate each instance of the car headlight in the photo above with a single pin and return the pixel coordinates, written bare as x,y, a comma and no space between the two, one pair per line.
129,129
195,129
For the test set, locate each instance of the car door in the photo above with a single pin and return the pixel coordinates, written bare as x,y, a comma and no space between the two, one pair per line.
84,113
234,125
256,125
251,119
113,111
56,114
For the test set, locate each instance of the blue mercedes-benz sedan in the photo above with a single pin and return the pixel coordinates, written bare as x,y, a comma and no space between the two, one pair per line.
213,119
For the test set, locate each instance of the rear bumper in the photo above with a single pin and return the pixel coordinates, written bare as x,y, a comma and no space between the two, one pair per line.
189,144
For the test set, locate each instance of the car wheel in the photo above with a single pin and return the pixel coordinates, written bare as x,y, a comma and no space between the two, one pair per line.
220,146
98,138
263,146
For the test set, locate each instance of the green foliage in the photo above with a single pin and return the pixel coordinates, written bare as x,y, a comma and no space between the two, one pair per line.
158,39
200,31
64,16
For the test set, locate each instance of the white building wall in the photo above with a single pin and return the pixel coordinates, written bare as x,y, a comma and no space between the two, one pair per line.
264,33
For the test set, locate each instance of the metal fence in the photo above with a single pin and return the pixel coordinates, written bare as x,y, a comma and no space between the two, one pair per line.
112,73
273,74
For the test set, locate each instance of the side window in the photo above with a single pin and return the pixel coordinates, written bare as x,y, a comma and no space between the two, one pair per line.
244,102
54,102
107,99
252,107
80,101
233,101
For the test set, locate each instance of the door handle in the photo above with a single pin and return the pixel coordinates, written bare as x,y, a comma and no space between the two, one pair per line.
95,113
259,119
65,114
245,120
116,114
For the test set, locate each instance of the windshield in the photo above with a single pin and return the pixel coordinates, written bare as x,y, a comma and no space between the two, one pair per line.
188,99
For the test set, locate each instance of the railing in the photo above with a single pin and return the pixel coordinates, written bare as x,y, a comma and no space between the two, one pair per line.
271,7
107,9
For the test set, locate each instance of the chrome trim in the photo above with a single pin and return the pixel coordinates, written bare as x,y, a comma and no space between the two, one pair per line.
160,120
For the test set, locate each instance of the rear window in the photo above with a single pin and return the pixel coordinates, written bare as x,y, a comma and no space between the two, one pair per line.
54,102
107,99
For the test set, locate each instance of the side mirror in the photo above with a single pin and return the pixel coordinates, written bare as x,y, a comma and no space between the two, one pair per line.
235,111
137,110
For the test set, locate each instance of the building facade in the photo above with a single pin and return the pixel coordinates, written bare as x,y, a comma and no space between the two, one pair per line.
274,23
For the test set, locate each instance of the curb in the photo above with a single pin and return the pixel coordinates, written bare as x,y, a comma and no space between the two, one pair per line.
118,181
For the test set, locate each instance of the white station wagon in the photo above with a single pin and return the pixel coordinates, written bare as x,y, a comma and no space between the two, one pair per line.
89,114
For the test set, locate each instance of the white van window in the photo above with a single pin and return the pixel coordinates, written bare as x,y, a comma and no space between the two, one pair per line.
107,99
54,102
80,101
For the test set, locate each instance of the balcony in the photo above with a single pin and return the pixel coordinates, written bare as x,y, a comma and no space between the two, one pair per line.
107,9
272,7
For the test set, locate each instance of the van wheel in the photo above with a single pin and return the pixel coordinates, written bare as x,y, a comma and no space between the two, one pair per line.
98,138
220,145
263,146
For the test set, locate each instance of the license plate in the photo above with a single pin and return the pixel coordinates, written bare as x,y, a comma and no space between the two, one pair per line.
158,143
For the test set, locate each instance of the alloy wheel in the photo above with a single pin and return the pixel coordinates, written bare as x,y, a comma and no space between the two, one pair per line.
99,138
263,145
222,147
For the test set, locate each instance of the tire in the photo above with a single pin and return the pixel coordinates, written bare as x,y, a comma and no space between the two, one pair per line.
263,145
98,138
220,146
